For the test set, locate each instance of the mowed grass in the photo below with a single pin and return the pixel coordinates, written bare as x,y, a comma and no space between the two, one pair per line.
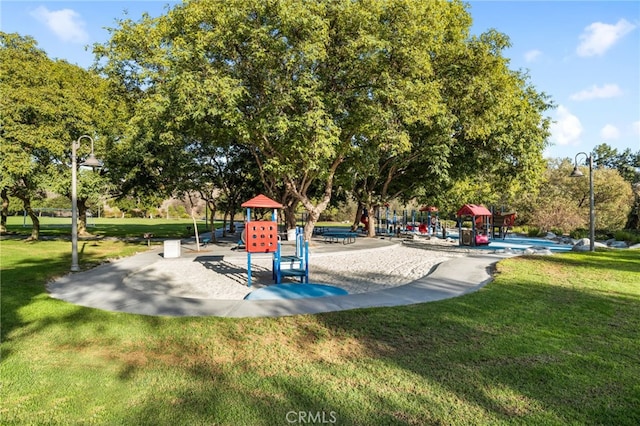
113,227
553,340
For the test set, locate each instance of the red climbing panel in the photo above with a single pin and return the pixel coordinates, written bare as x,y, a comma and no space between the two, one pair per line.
262,236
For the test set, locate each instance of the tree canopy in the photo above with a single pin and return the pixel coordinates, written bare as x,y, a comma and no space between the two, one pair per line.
46,104
316,89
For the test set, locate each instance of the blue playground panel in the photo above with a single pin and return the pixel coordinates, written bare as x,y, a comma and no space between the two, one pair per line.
295,291
521,243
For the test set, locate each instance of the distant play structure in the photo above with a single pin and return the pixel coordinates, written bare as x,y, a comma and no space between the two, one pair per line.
428,222
480,218
261,236
431,225
501,223
485,225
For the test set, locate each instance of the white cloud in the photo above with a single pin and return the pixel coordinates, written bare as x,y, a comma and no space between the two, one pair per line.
566,128
65,23
595,92
532,55
597,38
609,132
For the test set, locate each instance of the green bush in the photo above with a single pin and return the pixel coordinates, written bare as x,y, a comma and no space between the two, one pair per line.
178,212
533,232
557,231
630,236
579,233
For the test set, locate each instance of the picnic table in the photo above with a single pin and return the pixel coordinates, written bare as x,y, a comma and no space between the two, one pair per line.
319,230
346,237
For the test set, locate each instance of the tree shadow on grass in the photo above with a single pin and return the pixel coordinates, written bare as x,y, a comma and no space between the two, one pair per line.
620,259
513,352
553,354
518,352
26,307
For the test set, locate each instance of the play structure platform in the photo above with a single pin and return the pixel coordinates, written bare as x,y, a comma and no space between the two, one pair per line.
295,291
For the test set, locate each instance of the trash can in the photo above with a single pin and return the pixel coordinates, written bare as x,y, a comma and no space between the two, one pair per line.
291,234
171,249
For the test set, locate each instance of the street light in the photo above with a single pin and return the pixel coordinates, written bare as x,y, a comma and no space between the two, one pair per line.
592,215
92,161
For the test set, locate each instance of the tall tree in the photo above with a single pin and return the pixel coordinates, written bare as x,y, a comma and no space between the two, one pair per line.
47,105
562,202
627,163
319,88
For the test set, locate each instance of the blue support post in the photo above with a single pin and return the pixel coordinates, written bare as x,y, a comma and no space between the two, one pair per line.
306,262
386,220
248,252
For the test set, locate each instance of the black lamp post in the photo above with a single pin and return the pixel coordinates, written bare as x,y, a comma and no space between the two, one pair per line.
92,161
592,214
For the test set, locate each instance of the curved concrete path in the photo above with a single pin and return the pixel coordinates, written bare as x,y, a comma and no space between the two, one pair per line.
102,287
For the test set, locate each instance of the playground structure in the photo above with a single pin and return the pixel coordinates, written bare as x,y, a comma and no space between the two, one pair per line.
391,224
480,218
432,223
296,265
421,225
261,236
501,223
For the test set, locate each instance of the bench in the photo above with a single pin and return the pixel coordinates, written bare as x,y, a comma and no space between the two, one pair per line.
346,237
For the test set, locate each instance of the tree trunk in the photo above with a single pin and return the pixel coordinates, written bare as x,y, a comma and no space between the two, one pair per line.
314,211
289,212
312,218
35,228
371,229
357,219
82,218
212,209
5,210
224,222
232,214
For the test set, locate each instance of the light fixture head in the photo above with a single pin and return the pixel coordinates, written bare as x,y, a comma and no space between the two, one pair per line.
576,172
92,161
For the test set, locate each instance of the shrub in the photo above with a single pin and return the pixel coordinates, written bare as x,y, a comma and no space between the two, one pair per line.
533,232
557,231
630,236
579,233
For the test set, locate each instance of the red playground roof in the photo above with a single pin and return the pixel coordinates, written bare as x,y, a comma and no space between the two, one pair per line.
473,210
262,201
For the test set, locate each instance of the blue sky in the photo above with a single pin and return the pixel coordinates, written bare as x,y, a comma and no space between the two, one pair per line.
584,54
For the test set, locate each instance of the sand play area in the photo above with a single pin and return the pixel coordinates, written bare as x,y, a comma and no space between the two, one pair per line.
212,275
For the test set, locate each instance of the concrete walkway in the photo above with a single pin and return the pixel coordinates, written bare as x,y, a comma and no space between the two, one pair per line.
102,287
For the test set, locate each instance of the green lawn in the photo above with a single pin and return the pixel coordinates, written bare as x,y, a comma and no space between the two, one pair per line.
553,340
160,228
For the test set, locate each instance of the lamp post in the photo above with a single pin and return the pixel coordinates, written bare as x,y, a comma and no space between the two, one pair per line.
592,215
92,161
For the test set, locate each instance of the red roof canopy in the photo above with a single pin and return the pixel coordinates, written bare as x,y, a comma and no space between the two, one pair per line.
428,209
473,210
262,201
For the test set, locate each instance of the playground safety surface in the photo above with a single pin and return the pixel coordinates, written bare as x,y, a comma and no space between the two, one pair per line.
103,287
